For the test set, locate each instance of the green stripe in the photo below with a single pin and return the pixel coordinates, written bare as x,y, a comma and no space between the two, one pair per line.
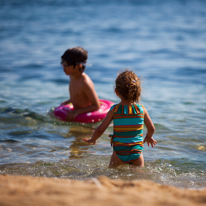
128,134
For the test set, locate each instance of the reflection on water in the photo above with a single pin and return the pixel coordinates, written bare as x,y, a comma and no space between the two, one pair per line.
77,147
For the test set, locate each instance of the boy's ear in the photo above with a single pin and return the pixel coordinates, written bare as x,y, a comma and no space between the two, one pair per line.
80,68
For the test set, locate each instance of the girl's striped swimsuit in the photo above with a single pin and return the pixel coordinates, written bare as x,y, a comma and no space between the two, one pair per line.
127,138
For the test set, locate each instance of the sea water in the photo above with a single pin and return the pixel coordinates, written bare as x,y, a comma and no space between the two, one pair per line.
164,42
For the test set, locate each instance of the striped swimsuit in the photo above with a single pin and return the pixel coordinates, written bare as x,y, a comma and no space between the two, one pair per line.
127,138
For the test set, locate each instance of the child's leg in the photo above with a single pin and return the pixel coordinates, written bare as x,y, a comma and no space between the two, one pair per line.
139,162
115,161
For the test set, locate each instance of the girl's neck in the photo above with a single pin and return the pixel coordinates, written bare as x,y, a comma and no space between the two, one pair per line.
128,103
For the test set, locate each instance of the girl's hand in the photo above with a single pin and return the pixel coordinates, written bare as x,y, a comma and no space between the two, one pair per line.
149,141
89,141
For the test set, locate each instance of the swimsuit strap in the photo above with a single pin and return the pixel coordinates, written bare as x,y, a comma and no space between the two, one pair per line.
128,110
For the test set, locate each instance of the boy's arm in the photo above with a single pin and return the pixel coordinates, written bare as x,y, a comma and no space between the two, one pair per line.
100,129
93,98
66,102
150,129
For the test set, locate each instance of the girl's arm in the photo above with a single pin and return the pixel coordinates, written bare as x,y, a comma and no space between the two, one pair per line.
100,129
150,129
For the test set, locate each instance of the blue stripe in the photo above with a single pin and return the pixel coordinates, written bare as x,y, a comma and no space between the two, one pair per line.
129,158
128,139
125,109
140,108
128,121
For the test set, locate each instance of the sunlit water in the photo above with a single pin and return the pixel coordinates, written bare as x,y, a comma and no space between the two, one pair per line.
164,42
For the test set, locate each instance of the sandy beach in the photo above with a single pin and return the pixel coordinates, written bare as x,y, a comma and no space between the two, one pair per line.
36,191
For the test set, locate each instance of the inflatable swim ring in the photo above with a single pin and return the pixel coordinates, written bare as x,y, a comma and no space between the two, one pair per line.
61,112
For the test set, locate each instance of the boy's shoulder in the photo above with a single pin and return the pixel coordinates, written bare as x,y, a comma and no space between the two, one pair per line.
84,81
86,78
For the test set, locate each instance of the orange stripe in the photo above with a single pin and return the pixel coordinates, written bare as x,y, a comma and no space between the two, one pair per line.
117,114
127,130
116,144
116,108
113,136
128,126
137,109
133,143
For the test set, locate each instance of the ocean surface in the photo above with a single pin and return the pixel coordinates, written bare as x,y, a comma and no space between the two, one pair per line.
164,42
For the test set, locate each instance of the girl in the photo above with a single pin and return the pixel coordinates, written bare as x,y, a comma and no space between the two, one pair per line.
128,118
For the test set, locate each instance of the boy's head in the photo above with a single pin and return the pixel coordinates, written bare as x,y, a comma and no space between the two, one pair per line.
75,56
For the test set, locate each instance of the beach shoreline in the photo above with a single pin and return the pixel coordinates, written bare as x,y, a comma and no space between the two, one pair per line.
28,190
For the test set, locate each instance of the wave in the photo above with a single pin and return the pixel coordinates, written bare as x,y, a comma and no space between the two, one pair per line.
92,2
17,115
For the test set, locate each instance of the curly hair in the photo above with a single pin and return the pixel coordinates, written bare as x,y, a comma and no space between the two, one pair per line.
128,86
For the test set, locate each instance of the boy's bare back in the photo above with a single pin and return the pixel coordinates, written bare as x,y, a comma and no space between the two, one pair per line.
82,92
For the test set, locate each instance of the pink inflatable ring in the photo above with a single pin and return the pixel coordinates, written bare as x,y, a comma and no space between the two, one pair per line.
61,112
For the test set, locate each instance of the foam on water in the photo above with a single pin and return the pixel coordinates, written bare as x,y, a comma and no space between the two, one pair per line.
162,172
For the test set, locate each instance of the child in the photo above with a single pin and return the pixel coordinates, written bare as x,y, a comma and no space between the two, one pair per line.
128,118
81,88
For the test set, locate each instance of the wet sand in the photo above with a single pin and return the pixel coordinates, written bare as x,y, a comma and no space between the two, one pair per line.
37,191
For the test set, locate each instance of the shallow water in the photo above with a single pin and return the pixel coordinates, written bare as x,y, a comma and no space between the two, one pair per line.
164,42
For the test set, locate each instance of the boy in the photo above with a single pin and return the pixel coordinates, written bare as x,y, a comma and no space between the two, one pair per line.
81,88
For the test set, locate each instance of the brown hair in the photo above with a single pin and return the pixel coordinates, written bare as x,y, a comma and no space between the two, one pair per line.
75,55
128,86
